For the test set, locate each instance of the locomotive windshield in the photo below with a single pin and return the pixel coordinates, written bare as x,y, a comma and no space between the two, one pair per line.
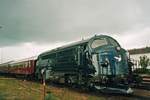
99,42
104,41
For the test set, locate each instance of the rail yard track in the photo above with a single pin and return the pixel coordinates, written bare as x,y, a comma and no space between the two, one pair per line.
145,83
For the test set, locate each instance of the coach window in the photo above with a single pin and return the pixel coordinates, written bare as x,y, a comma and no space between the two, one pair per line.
26,65
29,63
20,65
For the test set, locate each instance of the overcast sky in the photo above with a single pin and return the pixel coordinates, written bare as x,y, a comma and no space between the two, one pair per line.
28,27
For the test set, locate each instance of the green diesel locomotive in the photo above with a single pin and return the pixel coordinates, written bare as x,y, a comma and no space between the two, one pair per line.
98,62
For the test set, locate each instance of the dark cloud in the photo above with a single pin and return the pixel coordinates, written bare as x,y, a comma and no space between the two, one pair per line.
44,21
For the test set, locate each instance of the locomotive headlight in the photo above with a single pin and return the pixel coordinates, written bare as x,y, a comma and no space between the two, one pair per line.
118,48
105,63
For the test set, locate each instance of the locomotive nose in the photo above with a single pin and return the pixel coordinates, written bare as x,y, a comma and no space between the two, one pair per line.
111,69
110,62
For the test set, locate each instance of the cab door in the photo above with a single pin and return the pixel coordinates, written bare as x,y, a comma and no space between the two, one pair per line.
96,63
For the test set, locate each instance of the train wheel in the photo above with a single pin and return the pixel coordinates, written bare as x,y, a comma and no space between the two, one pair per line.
69,80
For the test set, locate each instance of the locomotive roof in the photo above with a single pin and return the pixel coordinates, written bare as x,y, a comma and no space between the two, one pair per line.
66,46
73,44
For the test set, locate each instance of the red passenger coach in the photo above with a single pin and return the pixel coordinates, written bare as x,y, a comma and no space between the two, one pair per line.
23,67
4,67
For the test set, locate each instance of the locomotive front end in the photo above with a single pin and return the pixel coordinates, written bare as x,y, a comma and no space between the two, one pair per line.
111,64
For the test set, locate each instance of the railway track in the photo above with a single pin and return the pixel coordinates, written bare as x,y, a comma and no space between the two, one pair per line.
145,83
146,78
144,86
139,94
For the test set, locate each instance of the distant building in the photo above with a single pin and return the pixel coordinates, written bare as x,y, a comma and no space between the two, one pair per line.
135,55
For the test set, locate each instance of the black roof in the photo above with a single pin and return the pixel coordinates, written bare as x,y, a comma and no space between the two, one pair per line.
66,46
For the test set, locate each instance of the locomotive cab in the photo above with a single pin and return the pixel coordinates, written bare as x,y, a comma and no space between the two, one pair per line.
110,63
